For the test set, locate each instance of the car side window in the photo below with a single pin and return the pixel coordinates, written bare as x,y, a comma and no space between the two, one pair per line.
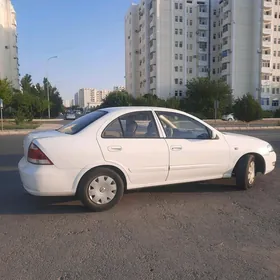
139,124
179,126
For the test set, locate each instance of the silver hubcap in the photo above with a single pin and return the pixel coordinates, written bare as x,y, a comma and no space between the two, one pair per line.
102,189
251,172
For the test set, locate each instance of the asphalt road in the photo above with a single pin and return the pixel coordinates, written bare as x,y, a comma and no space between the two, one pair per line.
191,231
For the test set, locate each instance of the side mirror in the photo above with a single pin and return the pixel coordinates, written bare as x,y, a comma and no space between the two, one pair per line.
214,135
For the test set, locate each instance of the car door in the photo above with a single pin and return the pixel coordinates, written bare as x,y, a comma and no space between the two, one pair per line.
194,156
133,142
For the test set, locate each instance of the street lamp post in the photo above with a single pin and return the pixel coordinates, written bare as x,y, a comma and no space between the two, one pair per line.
48,91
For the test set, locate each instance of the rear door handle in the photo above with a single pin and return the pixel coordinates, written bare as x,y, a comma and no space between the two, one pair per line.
114,148
176,148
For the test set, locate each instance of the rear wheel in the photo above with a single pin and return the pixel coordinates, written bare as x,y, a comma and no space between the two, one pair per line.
100,189
246,172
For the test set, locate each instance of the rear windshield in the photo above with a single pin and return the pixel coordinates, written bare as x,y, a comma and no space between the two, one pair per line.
81,123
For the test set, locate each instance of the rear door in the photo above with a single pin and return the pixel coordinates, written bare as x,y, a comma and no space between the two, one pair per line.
133,142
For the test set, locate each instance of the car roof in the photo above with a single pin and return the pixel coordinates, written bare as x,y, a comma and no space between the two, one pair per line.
138,108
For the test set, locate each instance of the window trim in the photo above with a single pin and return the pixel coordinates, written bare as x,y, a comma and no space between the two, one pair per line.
123,137
209,131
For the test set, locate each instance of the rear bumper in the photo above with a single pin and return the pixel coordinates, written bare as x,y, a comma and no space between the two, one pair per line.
270,162
46,180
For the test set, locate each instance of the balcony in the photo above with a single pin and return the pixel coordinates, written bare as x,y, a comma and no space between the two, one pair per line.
152,36
267,4
153,48
226,34
266,70
226,8
267,17
227,20
226,46
267,31
202,39
152,22
266,56
153,84
202,50
152,10
225,71
153,73
226,59
203,26
203,14
153,61
202,63
266,44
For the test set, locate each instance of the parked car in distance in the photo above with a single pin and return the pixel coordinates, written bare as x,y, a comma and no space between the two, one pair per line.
70,116
228,117
100,155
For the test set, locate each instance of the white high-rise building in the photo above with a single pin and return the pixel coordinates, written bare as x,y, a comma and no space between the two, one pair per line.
166,43
91,97
9,67
236,30
169,42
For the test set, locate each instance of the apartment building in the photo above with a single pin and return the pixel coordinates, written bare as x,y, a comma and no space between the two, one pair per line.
270,71
118,88
90,97
236,35
166,43
9,66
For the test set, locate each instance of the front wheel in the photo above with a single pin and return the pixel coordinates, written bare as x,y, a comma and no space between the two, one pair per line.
101,189
246,172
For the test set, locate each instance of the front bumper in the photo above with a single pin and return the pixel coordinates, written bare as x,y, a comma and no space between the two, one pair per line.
270,162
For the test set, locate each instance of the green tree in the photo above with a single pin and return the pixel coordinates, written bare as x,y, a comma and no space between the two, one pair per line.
117,99
201,95
6,92
23,107
247,109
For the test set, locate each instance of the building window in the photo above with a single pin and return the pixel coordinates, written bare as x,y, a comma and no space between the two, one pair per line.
273,78
181,56
180,93
214,36
214,24
181,6
275,103
181,68
278,40
176,56
214,48
277,90
214,71
273,91
176,44
214,12
176,68
190,71
190,10
176,92
274,66
190,59
191,34
275,15
181,44
181,31
275,41
176,18
274,53
190,22
181,19
190,46
275,27
278,65
213,59
176,81
176,31
176,6
278,28
265,101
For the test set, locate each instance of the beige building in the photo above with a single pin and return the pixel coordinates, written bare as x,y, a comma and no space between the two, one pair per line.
9,66
91,97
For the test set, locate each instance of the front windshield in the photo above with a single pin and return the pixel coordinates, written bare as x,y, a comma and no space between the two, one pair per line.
81,123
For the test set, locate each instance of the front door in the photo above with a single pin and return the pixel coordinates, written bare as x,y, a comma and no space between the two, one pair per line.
194,156
133,142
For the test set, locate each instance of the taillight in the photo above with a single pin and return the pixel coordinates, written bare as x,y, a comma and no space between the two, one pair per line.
36,156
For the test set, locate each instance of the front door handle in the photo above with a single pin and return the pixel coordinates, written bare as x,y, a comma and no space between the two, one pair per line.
114,148
176,148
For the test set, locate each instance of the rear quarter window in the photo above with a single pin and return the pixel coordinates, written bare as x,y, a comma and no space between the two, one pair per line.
81,123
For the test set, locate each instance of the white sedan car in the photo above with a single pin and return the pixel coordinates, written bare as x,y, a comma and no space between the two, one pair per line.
100,155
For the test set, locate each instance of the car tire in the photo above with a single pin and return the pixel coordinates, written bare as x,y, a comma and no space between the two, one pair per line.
245,172
100,189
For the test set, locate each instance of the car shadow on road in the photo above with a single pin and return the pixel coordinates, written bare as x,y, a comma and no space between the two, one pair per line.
14,200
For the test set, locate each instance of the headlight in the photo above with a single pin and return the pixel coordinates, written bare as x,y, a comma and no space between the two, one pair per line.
270,148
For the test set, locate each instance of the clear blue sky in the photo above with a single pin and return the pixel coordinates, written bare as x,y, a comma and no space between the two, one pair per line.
87,35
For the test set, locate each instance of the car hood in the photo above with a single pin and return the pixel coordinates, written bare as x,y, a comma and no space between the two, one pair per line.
245,142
